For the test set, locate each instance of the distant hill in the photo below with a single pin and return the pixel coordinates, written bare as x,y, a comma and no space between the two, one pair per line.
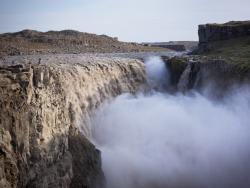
66,41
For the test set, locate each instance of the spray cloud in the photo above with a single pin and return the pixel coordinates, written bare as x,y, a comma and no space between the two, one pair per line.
179,141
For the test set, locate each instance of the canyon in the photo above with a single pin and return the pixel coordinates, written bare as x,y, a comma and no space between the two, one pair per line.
188,138
51,95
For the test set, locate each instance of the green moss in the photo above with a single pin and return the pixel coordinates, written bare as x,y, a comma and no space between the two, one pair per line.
178,64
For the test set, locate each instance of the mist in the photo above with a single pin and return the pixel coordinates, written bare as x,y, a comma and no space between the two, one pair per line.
157,73
161,140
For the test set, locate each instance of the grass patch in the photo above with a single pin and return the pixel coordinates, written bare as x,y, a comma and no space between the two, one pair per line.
236,51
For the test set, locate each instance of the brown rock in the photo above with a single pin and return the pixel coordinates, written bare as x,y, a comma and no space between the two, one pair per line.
45,107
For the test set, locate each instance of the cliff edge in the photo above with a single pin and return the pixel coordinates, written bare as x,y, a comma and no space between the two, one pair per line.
210,33
45,106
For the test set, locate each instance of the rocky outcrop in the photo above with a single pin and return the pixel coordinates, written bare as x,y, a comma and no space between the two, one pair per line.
218,32
216,76
45,107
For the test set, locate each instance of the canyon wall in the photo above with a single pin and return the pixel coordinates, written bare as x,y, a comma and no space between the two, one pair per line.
210,33
45,106
216,76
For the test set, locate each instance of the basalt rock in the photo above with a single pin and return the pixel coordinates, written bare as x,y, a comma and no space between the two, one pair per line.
210,33
217,76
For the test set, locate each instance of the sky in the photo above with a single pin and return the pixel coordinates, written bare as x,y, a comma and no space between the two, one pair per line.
129,20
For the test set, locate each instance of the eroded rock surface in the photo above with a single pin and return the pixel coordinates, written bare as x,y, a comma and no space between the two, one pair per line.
209,33
216,76
45,106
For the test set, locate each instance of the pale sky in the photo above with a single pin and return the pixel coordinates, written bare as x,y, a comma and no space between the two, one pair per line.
129,20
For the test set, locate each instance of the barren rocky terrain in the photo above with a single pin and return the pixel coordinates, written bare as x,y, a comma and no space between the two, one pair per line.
29,42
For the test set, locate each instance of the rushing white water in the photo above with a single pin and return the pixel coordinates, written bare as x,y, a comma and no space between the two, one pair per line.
157,73
161,140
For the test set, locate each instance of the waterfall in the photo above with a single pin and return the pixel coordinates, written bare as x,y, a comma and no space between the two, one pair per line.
157,73
183,84
163,140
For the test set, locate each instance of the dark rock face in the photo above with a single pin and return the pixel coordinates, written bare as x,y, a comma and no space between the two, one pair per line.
217,32
89,158
176,67
218,76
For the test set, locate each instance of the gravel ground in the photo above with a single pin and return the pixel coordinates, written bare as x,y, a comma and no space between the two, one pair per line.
82,58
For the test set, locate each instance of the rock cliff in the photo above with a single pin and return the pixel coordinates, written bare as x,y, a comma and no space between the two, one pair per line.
217,77
210,33
45,106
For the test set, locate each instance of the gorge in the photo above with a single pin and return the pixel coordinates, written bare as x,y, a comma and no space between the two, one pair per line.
75,115
158,139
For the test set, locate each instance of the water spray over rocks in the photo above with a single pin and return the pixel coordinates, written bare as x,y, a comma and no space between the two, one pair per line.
164,140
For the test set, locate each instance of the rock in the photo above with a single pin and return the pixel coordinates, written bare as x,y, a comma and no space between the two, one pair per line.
45,107
200,73
176,67
29,42
218,32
